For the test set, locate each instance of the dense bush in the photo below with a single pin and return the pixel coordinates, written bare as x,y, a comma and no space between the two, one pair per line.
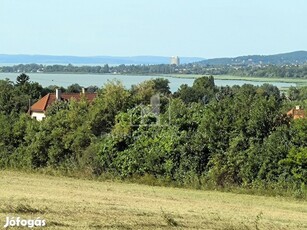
204,135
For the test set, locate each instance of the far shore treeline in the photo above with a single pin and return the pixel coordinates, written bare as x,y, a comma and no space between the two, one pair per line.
200,136
245,70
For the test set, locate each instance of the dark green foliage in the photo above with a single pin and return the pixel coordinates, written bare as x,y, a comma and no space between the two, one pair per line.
7,96
203,135
74,88
56,107
92,89
15,98
296,164
7,142
245,138
203,90
162,86
22,79
52,89
112,99
297,93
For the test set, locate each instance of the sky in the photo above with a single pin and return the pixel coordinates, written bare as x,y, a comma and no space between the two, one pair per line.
191,28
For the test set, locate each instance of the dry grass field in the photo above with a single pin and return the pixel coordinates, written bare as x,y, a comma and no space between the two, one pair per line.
67,203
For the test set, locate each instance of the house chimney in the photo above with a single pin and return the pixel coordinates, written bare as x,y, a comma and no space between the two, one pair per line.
83,90
30,103
58,94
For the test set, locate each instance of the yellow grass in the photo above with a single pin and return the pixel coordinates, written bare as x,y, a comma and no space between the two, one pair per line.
67,203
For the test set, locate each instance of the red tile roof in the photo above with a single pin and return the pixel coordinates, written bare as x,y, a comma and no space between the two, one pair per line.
296,113
42,104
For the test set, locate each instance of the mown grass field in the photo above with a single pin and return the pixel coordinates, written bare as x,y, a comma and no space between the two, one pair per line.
67,203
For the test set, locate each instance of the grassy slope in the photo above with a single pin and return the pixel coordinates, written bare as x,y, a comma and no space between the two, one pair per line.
68,203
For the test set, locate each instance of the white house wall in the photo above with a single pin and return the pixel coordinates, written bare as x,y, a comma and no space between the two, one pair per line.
38,116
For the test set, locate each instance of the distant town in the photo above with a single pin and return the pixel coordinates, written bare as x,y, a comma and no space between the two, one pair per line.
289,65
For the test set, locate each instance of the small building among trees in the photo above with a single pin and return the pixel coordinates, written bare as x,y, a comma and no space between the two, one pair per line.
38,109
296,112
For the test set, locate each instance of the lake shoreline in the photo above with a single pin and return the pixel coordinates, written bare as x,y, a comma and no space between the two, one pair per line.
176,80
182,76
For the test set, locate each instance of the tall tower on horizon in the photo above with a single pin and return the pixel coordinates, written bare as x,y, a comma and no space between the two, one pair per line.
175,60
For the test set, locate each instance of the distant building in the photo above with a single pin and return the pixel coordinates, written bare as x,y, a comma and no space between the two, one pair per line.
296,112
38,109
175,60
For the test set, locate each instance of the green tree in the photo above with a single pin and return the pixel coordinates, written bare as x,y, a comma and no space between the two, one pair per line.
74,88
142,92
293,93
7,96
112,99
22,79
203,90
106,69
296,164
161,85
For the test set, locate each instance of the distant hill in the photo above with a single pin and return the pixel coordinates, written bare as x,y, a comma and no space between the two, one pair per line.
97,60
297,57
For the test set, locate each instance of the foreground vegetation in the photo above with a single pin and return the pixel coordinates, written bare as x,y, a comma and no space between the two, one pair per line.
67,203
202,136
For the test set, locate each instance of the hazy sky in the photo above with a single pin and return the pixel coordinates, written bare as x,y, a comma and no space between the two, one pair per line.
202,28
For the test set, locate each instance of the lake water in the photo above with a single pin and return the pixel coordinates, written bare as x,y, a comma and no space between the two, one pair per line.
86,80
